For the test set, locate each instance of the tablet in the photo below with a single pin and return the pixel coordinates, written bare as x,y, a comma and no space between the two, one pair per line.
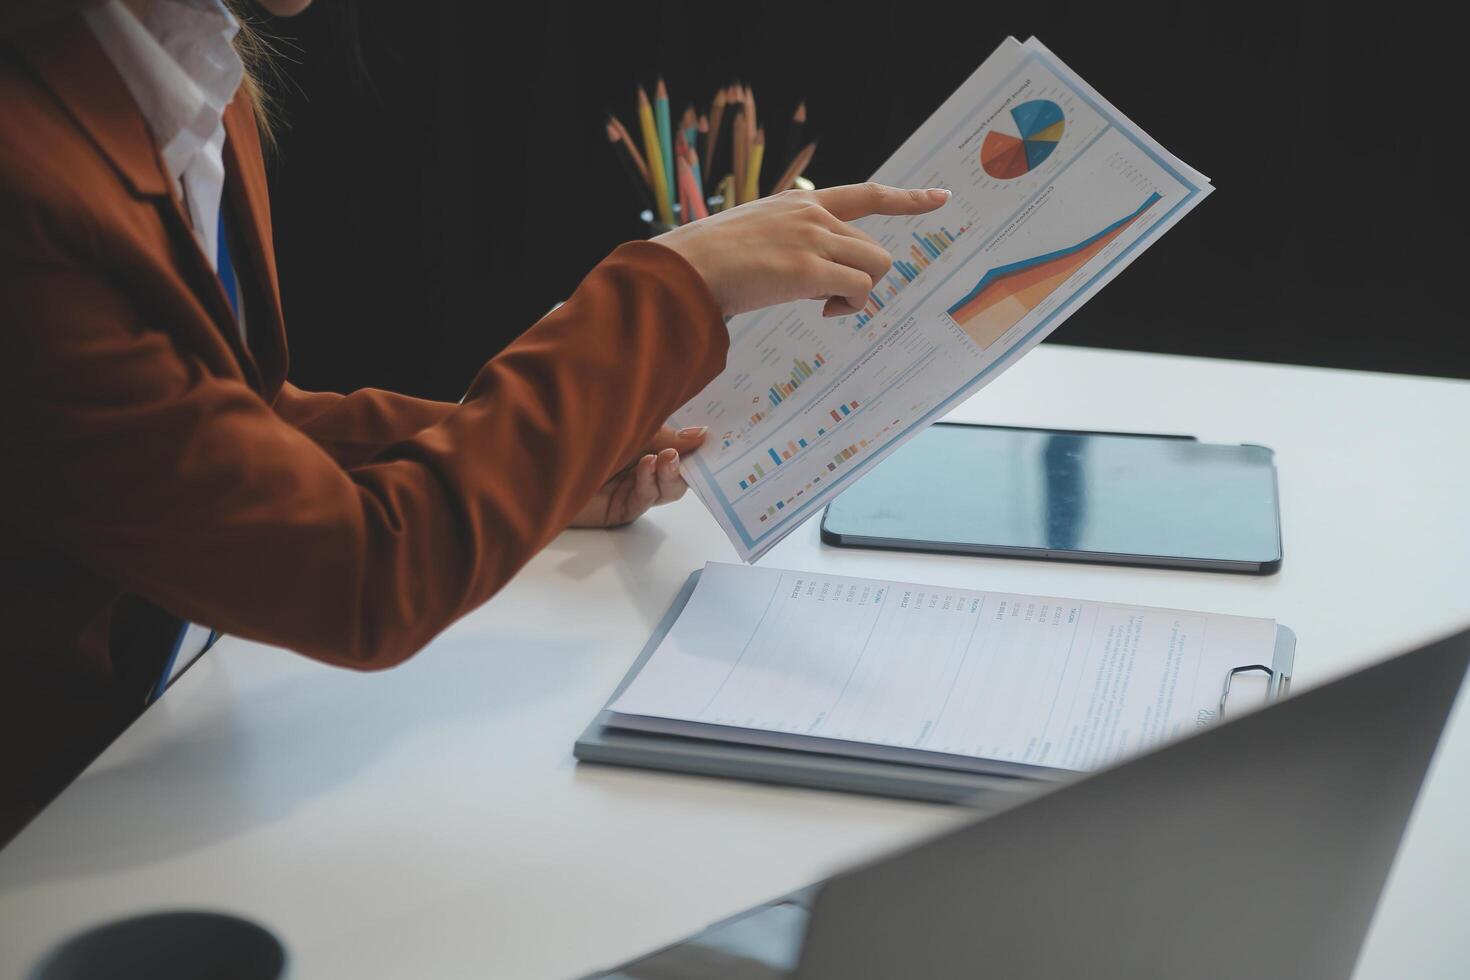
1119,498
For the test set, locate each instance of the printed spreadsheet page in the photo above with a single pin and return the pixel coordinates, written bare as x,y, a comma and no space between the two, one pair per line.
1054,193
979,681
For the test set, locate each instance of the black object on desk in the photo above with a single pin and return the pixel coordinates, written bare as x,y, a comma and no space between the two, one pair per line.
1118,498
169,946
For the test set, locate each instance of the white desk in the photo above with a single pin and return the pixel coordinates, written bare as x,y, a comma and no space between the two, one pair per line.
430,822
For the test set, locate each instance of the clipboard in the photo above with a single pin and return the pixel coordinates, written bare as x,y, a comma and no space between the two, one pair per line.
603,743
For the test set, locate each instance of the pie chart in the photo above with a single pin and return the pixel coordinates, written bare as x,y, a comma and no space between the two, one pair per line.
1038,127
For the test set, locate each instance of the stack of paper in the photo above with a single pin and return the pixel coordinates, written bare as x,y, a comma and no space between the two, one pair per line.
976,681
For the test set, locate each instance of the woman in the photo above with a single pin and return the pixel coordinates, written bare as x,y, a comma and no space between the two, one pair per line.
159,470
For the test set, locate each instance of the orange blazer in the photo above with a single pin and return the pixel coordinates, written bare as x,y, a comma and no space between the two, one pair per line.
149,461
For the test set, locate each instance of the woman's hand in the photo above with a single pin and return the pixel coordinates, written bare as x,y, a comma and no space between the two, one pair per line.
651,479
796,245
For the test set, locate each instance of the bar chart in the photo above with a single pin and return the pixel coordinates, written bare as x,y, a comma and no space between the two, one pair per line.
923,247
780,455
781,390
853,449
847,453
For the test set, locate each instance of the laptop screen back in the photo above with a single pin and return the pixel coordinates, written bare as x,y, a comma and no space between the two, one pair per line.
1258,848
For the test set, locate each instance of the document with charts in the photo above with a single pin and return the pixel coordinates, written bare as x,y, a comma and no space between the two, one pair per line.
1054,192
976,681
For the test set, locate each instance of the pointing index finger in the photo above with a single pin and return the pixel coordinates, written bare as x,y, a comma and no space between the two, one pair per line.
852,201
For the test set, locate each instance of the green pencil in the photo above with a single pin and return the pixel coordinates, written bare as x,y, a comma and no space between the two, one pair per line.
665,133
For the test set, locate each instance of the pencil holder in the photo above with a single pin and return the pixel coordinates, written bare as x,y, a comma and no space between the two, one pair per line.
680,163
715,204
657,227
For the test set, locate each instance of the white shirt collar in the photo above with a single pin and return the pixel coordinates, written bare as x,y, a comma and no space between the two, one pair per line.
182,70
179,65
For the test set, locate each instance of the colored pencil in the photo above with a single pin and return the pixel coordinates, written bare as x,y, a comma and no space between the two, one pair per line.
723,161
689,126
690,192
639,180
665,131
726,192
793,144
750,191
663,202
693,157
794,168
711,142
753,167
699,171
726,149
685,214
741,152
701,207
631,147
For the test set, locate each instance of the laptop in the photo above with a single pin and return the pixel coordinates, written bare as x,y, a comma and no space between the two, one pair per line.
1256,848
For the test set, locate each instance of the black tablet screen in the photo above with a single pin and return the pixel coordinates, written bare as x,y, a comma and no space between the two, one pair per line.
1138,499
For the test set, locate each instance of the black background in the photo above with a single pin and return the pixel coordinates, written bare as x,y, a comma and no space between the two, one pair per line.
429,212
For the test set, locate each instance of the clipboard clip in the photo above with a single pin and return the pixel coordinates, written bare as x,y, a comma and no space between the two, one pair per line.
1278,683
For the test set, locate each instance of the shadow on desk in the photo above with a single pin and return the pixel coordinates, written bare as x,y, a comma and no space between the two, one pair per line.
631,552
304,735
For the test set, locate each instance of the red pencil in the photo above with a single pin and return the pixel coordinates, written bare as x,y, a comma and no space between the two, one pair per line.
690,192
632,147
621,148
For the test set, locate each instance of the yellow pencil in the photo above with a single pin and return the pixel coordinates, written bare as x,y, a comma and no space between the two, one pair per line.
753,167
740,147
653,152
726,191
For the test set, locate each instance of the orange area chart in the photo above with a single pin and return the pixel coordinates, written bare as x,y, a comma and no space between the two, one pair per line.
1007,293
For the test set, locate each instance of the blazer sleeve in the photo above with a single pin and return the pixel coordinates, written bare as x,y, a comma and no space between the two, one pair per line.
191,491
354,428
